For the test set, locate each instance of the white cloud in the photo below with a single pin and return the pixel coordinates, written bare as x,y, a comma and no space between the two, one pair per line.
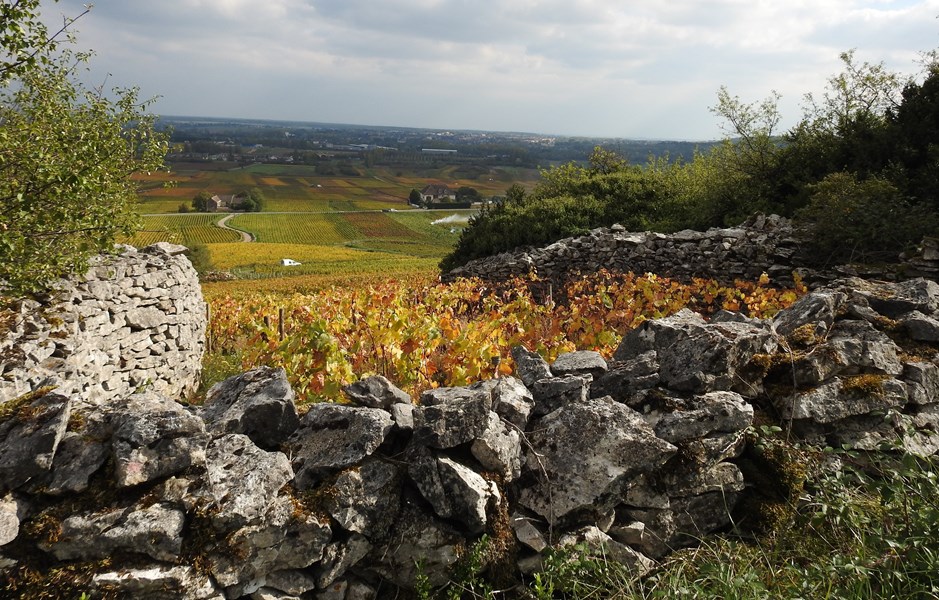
597,67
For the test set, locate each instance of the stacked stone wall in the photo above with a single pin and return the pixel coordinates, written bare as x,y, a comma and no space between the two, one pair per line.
141,496
763,244
135,320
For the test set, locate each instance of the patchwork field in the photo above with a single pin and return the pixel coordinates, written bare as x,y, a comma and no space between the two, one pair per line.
298,188
358,224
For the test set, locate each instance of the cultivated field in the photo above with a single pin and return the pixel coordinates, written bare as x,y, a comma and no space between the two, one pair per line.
347,226
298,188
182,229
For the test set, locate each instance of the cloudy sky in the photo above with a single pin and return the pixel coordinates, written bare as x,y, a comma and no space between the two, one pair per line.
611,68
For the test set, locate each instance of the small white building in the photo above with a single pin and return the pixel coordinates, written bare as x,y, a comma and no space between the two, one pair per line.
289,262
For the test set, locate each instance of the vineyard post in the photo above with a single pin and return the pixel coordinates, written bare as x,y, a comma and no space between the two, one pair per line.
280,323
208,328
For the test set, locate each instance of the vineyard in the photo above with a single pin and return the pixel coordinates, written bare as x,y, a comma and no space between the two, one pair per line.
264,260
422,335
317,229
182,229
299,188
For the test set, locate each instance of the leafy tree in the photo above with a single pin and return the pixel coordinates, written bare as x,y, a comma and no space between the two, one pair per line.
864,220
201,201
414,198
467,194
183,208
256,200
201,259
66,156
515,193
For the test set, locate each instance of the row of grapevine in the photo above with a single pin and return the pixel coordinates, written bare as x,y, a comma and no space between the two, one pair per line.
182,229
442,335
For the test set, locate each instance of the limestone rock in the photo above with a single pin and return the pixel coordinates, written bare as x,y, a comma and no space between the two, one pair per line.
376,392
155,437
29,438
605,546
896,299
241,480
359,590
155,531
332,437
630,534
920,327
581,362
715,412
842,398
658,529
259,404
625,378
336,591
403,416
293,581
499,449
288,538
721,478
366,498
922,382
527,533
819,307
658,332
79,456
529,366
419,537
694,356
12,512
552,393
338,557
453,490
266,593
697,516
851,347
156,583
468,492
510,399
565,474
455,416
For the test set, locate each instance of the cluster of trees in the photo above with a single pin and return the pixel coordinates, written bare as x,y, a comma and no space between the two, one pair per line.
250,201
861,168
66,154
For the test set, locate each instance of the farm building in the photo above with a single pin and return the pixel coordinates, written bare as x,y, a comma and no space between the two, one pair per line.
437,193
217,202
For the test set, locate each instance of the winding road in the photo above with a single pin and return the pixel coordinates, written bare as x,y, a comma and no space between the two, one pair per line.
223,223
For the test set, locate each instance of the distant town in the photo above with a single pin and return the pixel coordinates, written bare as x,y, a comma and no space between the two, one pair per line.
238,141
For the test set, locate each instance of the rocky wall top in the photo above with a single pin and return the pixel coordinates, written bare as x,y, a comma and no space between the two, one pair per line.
761,244
133,321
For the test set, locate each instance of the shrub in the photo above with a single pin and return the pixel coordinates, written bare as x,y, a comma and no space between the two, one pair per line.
863,220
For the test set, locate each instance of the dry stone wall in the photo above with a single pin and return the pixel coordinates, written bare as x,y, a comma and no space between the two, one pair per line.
763,244
134,320
244,497
767,244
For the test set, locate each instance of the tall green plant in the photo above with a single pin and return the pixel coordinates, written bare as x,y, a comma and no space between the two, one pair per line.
67,154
